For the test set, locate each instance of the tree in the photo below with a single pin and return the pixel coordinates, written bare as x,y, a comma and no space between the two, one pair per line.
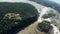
44,26
27,12
49,15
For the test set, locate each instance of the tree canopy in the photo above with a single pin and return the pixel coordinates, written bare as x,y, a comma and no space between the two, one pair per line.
27,12
44,26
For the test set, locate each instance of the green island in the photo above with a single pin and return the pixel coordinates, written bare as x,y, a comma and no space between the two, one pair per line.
15,16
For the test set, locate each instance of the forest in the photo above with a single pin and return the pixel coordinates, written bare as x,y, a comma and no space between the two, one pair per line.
27,14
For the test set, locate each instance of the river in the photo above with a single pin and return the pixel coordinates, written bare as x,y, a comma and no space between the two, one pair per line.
41,9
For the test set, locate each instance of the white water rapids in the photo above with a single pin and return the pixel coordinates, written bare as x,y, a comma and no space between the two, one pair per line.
41,9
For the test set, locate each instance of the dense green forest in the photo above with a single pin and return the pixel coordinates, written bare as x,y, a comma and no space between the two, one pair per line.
44,26
28,14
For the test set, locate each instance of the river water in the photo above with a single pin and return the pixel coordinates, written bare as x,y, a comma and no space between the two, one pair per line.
41,9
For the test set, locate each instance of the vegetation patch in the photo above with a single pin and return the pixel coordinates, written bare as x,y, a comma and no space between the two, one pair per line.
15,16
44,26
